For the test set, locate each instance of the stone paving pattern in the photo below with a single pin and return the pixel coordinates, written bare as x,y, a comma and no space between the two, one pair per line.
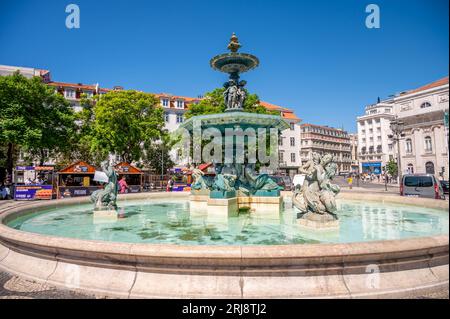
13,287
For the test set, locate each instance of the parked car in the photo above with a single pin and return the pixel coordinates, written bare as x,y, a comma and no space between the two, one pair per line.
421,185
445,186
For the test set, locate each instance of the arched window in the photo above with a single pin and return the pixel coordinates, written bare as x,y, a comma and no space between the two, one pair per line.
428,144
425,104
410,169
408,144
429,168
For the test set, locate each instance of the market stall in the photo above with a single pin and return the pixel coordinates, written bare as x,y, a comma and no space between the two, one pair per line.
181,179
33,182
133,176
77,180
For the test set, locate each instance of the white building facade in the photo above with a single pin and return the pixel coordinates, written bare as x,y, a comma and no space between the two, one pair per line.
424,146
375,149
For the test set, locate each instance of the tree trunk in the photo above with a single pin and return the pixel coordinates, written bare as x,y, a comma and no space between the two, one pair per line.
41,158
9,160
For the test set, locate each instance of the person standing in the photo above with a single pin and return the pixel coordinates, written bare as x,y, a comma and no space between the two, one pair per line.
350,181
123,186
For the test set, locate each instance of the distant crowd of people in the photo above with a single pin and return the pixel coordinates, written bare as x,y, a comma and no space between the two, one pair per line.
370,178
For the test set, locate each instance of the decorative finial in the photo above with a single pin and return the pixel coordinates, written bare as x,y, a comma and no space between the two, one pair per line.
234,44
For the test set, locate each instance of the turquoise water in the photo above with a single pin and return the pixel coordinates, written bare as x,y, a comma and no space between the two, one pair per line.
159,221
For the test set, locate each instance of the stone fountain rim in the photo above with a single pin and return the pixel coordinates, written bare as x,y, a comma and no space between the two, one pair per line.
196,253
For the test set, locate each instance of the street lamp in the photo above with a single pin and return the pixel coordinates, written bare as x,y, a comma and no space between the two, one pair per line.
397,128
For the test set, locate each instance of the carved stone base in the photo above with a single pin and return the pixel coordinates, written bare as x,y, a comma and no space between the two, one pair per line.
318,221
225,207
105,216
200,192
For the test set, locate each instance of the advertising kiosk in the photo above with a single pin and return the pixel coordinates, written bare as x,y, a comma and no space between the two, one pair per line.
77,180
33,182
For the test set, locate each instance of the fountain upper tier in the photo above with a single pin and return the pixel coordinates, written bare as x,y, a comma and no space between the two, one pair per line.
234,63
233,119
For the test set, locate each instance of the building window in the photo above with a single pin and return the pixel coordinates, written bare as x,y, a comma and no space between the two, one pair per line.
292,126
410,169
425,104
180,104
390,147
70,94
408,144
292,157
165,102
387,110
179,118
280,141
166,117
428,144
292,141
379,149
371,150
280,156
429,168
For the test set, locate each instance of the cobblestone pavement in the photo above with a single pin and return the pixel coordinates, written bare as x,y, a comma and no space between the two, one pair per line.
13,287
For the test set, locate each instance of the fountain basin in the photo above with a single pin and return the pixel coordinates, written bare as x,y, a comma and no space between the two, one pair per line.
343,270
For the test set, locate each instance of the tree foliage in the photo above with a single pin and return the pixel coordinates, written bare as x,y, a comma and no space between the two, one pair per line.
157,155
124,123
33,118
392,168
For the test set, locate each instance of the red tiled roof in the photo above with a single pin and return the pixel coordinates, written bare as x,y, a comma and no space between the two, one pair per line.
428,86
73,85
273,107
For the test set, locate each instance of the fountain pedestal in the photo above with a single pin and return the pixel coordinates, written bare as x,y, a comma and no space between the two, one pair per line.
315,221
105,216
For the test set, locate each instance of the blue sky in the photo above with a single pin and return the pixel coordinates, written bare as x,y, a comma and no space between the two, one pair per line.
317,57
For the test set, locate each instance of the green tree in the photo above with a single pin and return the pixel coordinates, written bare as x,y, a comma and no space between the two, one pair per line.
82,139
33,118
213,102
124,123
392,168
156,155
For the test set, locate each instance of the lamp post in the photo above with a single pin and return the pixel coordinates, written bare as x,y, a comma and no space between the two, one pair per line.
397,128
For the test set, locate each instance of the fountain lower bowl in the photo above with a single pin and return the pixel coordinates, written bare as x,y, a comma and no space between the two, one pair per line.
391,268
